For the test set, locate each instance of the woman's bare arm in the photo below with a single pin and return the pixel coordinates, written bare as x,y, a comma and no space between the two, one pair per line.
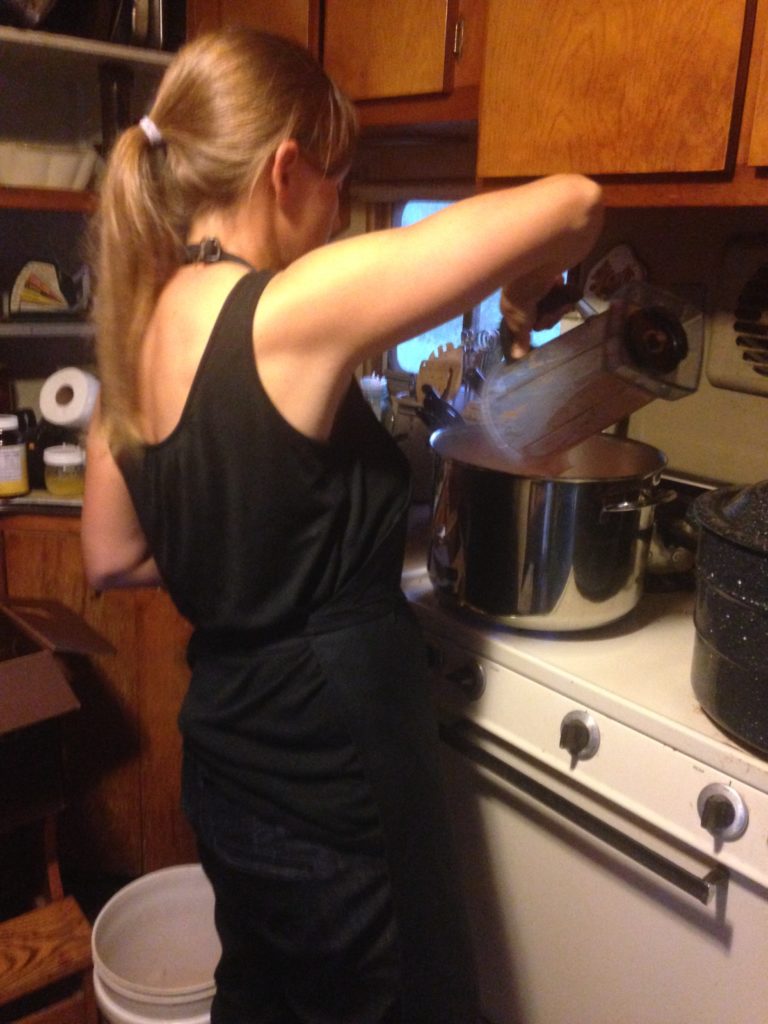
349,300
362,295
115,550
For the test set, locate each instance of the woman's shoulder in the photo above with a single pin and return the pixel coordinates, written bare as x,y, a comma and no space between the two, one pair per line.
176,340
196,293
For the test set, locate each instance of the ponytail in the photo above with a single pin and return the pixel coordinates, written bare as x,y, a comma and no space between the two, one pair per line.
223,107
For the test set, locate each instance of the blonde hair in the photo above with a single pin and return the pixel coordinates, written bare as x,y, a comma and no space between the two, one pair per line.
223,107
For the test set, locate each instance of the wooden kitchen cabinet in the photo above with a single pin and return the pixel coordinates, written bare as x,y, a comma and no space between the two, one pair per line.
123,745
406,62
391,48
296,19
757,149
414,63
665,101
609,86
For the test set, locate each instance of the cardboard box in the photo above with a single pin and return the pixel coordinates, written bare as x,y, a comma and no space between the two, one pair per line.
35,638
34,634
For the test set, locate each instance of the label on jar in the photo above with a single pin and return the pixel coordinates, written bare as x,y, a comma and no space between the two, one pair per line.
13,470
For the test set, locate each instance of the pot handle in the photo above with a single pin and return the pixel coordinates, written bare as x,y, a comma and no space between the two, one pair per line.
645,499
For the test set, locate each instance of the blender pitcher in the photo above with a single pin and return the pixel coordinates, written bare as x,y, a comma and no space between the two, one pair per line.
648,344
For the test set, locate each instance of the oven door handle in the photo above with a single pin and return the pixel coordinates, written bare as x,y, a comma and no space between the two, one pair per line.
702,889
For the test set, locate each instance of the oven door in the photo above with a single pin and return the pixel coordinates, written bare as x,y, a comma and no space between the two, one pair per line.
582,912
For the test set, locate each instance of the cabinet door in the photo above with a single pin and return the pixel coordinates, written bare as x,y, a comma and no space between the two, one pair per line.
390,48
295,19
757,155
608,86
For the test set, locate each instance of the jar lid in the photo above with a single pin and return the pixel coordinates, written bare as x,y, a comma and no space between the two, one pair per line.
9,421
64,455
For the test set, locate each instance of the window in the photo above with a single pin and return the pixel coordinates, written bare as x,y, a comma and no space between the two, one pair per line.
409,355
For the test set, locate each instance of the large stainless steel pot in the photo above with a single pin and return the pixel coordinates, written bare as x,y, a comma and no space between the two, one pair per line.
730,657
556,544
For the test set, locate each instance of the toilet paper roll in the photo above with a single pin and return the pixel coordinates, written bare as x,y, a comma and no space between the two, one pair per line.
68,396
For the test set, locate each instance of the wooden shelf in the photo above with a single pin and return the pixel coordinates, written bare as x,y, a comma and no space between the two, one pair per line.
64,50
35,349
47,199
42,329
56,85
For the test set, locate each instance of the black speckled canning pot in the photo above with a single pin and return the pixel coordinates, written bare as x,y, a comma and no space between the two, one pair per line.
730,658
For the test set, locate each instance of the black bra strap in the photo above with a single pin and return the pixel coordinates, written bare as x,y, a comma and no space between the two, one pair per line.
210,251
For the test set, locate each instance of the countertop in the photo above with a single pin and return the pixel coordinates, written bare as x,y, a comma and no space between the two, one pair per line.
40,502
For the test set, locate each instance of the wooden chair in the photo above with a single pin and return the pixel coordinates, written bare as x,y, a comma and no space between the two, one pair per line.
45,939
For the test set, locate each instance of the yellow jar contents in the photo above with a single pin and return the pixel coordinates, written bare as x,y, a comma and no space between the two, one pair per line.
14,478
64,470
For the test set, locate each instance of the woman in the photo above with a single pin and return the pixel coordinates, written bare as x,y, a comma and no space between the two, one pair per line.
234,461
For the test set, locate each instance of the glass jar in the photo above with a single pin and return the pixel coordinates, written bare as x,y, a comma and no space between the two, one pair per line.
14,478
64,470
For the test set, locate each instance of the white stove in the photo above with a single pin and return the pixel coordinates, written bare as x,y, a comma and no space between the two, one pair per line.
614,839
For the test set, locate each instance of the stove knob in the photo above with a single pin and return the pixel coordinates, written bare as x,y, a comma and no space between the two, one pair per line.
470,678
579,735
722,811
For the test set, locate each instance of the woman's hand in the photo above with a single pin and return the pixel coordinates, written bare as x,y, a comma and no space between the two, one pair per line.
534,302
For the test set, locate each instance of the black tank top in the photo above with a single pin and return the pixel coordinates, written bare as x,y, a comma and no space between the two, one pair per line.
265,539
258,530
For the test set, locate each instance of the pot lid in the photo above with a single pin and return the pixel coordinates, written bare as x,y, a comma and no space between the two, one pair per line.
739,515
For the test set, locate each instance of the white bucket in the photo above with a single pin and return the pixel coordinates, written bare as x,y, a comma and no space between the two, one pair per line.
118,1010
155,948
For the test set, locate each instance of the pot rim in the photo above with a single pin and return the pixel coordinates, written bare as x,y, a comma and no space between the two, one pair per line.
603,450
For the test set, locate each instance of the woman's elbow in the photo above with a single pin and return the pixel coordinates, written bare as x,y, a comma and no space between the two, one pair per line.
110,565
585,198
578,212
100,573
578,187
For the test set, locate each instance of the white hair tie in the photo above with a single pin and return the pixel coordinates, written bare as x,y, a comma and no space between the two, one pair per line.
152,132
